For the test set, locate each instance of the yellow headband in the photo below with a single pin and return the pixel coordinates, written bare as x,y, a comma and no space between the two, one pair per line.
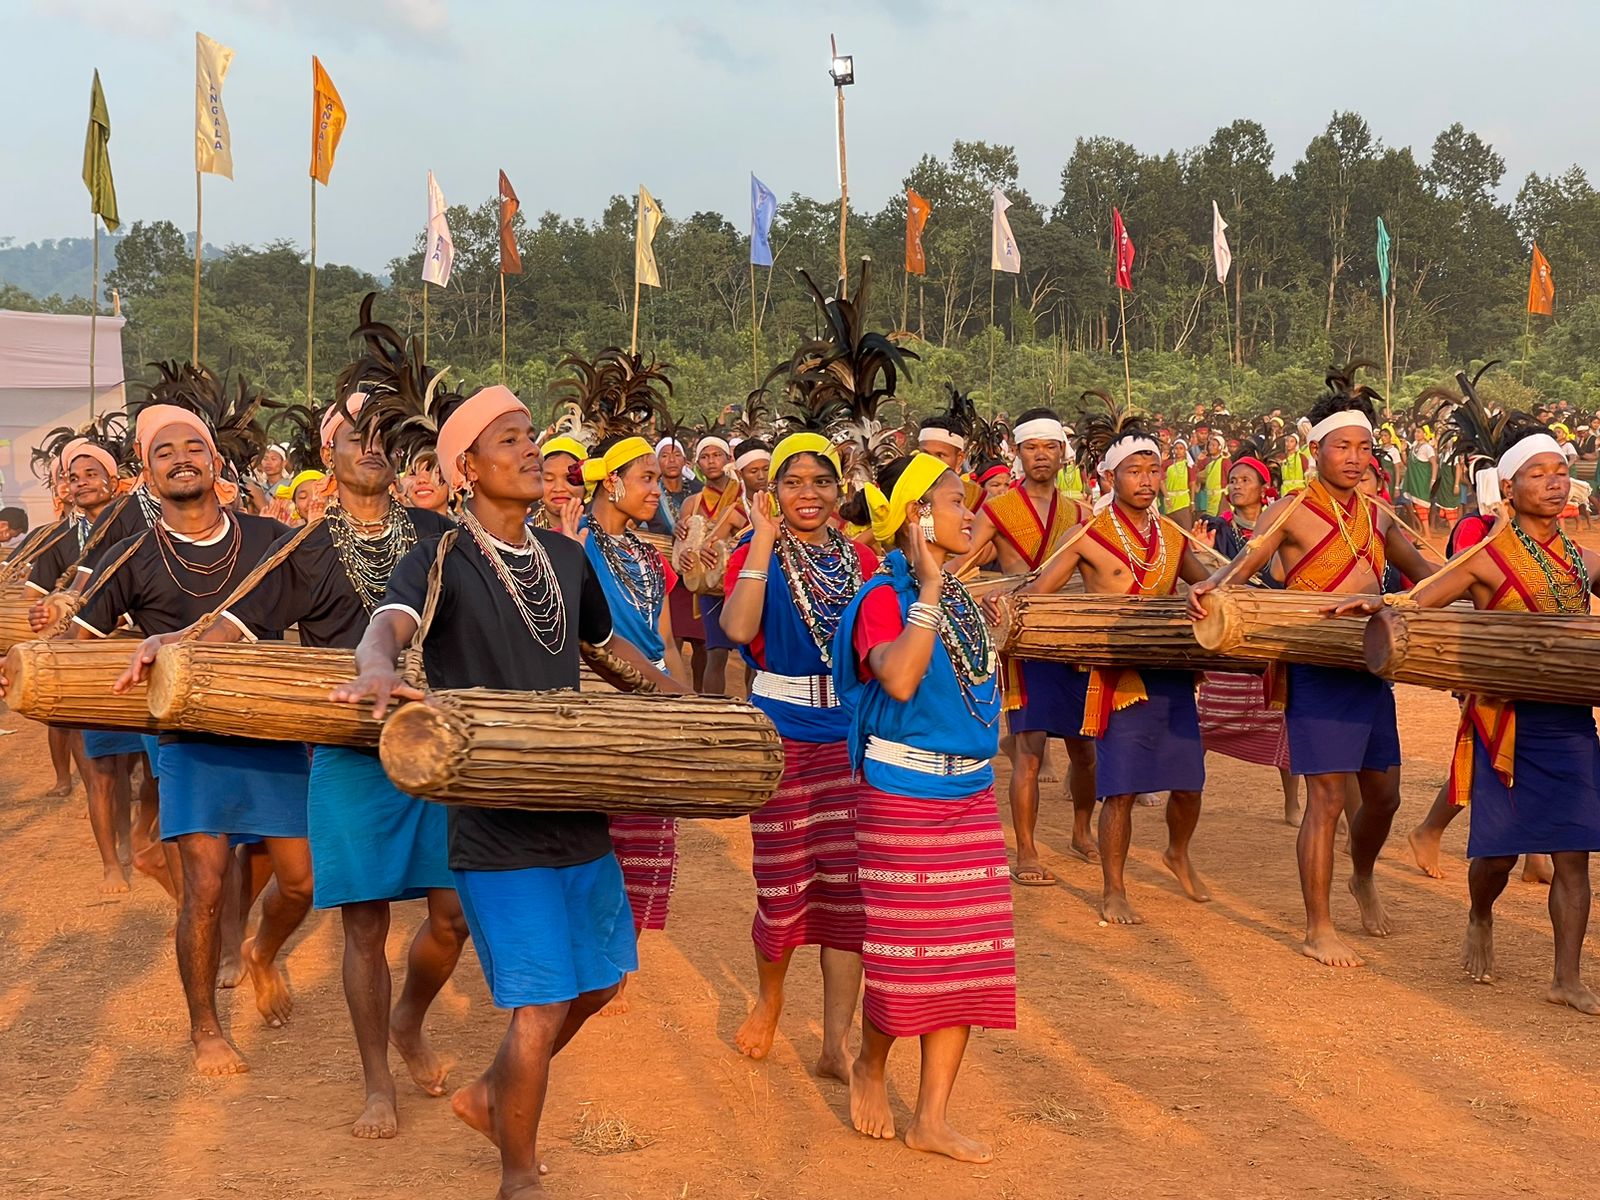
565,445
803,443
889,512
614,459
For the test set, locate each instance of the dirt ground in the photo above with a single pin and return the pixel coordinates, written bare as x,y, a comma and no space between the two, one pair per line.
1196,1056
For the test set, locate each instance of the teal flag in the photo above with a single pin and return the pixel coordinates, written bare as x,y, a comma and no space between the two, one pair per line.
1383,258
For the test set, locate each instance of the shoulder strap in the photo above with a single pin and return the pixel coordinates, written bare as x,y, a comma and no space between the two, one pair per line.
249,583
411,657
110,569
96,536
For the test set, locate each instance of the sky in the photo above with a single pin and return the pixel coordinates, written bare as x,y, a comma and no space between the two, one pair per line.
581,101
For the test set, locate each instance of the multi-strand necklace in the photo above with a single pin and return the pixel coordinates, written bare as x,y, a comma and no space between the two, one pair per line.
635,567
1357,552
532,586
1568,581
822,581
1143,570
966,641
149,504
223,566
369,551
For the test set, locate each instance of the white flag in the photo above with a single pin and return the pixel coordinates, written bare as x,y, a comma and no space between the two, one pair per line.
1219,243
440,253
213,146
644,236
1003,252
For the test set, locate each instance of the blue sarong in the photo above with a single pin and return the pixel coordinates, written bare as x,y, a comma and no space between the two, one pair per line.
1154,745
1340,722
711,617
105,743
1553,804
1053,695
369,840
546,935
152,753
245,789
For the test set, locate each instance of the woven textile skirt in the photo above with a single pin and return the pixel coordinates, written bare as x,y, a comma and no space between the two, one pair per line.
1235,720
647,848
939,948
804,854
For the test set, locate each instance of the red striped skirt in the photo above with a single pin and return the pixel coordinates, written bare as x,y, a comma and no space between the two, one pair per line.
804,855
1235,720
939,947
647,849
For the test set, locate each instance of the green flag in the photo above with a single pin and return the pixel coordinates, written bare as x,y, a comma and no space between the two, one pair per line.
1383,258
97,159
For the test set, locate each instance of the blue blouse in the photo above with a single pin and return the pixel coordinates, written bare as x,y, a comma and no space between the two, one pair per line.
643,629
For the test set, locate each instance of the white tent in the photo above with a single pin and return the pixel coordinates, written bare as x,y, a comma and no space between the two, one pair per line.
44,382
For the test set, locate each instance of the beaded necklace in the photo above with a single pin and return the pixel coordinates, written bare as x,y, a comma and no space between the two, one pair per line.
1141,569
1568,581
149,504
965,636
532,586
822,580
370,551
635,567
223,566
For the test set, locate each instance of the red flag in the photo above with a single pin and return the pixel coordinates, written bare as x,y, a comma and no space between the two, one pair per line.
916,217
510,256
1125,251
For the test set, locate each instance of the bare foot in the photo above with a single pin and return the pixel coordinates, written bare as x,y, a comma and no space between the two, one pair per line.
1085,848
1374,919
754,1038
377,1119
471,1104
1538,868
1477,955
427,1068
229,967
1577,996
215,1055
114,880
1193,886
869,1102
1294,811
273,1001
1425,849
834,1064
1150,799
1331,950
618,1005
1115,910
941,1139
61,791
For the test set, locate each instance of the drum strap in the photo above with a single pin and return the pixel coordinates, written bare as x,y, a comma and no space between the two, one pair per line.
411,658
249,582
16,568
106,572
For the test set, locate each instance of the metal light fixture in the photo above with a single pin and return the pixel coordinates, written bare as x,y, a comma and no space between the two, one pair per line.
843,70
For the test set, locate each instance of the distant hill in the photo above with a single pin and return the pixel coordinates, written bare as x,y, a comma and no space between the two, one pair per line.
62,266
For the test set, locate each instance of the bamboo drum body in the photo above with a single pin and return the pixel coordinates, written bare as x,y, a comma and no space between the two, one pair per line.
15,601
266,690
1274,626
69,683
1508,655
1108,631
683,756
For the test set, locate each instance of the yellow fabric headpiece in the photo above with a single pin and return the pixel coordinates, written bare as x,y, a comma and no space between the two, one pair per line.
889,512
565,445
803,443
614,459
286,491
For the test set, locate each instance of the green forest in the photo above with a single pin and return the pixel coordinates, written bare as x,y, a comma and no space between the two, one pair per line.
1304,291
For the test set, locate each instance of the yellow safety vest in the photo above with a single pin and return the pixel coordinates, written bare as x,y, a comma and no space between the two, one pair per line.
1178,487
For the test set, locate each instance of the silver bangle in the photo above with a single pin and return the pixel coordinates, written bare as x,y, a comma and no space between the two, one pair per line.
761,575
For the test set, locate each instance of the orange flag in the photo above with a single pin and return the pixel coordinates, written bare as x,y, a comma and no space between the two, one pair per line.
916,217
1541,288
510,256
327,121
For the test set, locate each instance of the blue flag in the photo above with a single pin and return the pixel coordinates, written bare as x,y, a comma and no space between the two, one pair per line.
1383,259
763,207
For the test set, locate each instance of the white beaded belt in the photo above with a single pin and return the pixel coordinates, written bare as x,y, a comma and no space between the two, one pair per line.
929,762
811,691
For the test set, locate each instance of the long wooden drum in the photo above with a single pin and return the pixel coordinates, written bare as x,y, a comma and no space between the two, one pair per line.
1273,626
668,756
15,601
69,683
1515,656
271,691
1108,631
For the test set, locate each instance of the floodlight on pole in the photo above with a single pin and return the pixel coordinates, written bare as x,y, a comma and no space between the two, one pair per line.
843,70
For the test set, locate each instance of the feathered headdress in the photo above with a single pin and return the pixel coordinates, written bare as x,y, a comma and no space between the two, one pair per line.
300,429
616,394
406,399
111,431
1468,432
1341,381
236,416
1101,426
838,381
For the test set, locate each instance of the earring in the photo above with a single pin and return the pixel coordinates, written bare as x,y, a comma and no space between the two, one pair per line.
466,489
618,490
926,522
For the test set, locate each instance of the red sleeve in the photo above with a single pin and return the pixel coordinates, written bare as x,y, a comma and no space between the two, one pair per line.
736,561
1470,532
667,571
868,558
878,622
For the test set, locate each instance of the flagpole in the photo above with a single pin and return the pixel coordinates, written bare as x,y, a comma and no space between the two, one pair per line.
755,350
424,320
990,335
844,174
194,353
1127,371
311,293
94,310
905,301
502,327
1227,317
1527,345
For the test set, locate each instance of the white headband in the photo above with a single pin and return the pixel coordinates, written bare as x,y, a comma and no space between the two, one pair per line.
669,441
1344,419
935,434
709,441
749,456
1127,449
282,450
1042,429
1514,459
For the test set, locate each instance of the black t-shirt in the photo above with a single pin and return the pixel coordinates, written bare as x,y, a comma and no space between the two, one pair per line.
311,589
125,520
478,639
58,554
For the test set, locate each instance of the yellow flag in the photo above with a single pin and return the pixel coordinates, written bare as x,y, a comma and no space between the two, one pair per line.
644,255
213,145
97,159
327,121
